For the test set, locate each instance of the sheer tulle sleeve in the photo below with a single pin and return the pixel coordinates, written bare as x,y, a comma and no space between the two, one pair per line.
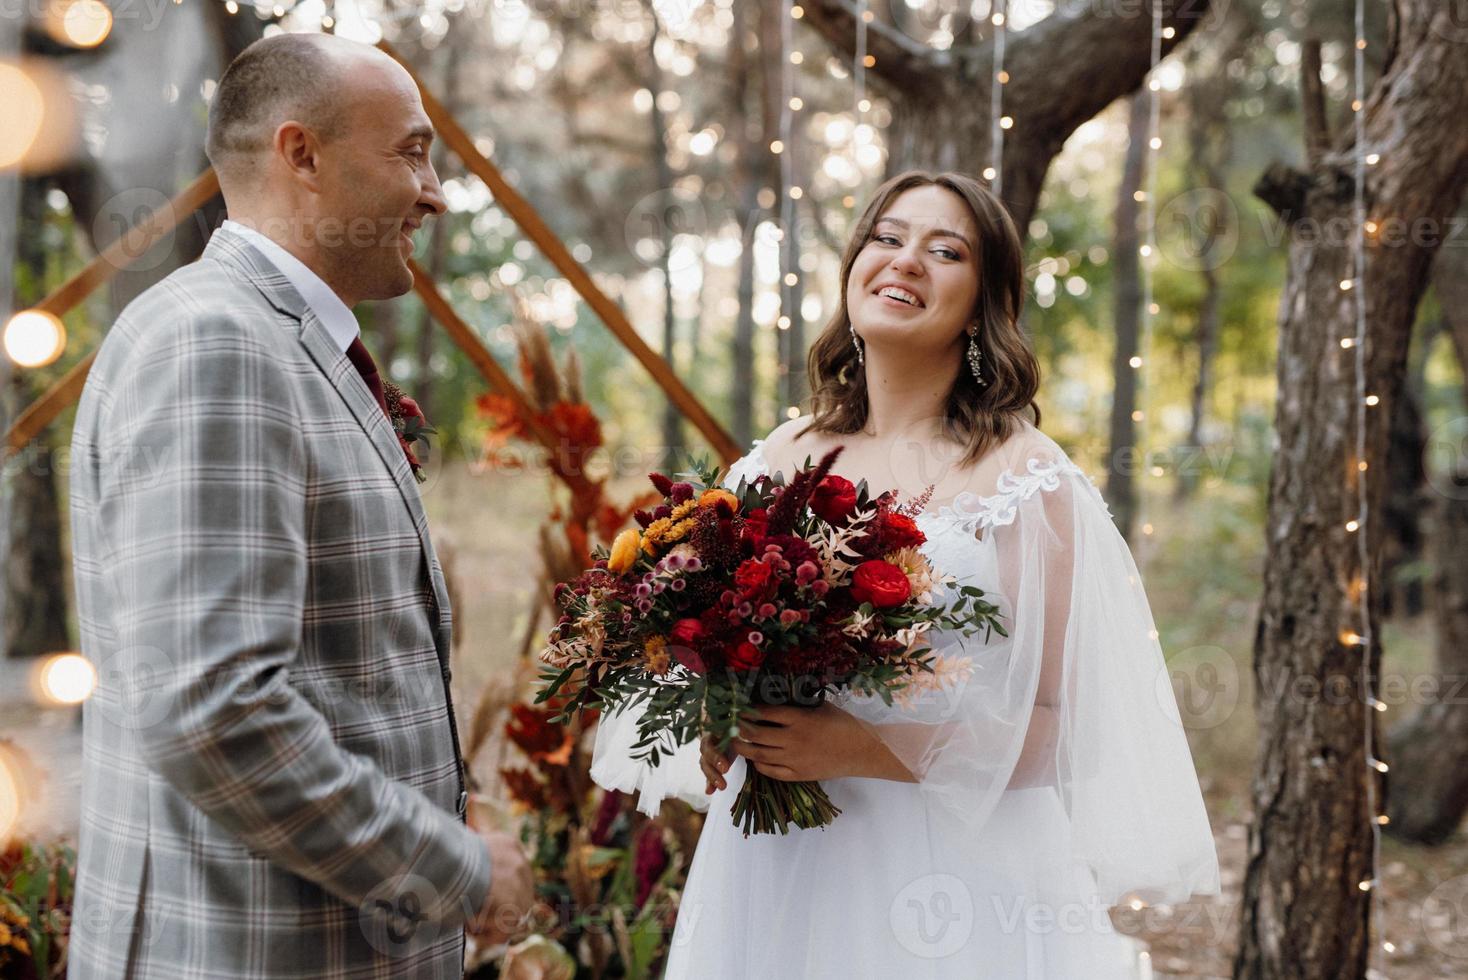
1076,699
677,775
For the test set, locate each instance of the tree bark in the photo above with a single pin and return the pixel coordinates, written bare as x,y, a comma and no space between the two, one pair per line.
1059,78
1429,799
438,237
35,580
1210,145
1310,841
1127,312
672,418
748,146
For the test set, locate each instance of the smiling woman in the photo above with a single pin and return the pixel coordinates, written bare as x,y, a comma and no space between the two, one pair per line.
908,286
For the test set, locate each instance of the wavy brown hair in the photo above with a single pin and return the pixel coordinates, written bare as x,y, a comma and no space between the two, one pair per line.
979,417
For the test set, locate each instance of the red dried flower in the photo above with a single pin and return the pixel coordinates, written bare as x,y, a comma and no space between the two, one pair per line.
537,736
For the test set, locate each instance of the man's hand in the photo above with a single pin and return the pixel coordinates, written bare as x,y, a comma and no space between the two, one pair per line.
511,891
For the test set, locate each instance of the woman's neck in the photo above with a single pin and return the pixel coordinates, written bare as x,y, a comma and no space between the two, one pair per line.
906,393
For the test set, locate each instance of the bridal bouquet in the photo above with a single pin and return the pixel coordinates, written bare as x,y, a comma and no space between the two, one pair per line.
776,593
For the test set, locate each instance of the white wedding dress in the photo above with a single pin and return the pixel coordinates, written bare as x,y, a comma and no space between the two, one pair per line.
1056,779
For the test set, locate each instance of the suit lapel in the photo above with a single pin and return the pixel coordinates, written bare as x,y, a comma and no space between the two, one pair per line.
338,369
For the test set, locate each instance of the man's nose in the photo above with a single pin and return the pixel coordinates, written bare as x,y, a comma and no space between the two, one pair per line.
432,193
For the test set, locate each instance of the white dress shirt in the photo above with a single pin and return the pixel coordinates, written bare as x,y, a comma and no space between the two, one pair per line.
339,321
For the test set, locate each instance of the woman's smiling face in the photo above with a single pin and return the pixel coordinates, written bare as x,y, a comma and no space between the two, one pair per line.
916,280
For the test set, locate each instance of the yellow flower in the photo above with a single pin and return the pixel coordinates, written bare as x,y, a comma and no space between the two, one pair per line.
656,653
711,497
668,529
624,551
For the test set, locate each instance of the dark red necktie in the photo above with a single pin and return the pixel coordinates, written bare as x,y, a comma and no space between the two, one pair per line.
367,368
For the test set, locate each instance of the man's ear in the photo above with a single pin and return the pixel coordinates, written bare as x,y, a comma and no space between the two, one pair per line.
300,150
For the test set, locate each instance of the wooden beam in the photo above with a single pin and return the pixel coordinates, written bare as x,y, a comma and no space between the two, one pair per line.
479,355
118,256
529,221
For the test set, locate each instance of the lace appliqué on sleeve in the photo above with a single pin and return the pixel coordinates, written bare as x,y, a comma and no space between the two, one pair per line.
973,513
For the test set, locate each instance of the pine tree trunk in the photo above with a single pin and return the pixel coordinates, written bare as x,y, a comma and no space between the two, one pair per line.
1310,842
1429,799
1127,313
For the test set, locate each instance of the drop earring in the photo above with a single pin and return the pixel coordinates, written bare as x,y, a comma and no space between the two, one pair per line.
856,342
975,357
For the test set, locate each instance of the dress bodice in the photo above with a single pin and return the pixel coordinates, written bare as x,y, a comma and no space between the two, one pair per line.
960,532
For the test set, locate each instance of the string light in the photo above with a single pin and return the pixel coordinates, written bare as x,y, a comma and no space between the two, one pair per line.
1363,401
790,103
1147,251
997,125
859,67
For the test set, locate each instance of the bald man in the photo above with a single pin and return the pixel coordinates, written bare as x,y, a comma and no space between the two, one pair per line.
273,786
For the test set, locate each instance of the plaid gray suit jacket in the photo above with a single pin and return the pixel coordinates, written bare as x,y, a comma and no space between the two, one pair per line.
272,782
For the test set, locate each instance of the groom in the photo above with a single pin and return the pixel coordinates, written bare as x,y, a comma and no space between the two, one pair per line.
272,780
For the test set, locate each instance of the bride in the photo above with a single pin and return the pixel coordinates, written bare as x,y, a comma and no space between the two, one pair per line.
987,826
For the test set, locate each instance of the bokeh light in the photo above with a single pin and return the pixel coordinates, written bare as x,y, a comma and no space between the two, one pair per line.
78,23
9,799
34,338
24,111
66,678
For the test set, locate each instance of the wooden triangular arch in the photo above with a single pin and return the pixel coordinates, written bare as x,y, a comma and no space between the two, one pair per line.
136,242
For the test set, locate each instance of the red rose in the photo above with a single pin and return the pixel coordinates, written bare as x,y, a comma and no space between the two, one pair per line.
746,656
881,583
900,531
755,522
754,578
687,632
833,499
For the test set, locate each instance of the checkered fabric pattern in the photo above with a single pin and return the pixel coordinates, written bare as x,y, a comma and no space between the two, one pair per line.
272,780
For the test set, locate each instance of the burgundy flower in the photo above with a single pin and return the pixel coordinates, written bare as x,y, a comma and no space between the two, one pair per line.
649,861
881,583
606,814
833,499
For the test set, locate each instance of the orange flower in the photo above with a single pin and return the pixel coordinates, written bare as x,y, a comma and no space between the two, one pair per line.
712,496
624,551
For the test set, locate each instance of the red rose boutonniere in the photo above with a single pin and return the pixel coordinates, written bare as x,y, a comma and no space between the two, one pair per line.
410,425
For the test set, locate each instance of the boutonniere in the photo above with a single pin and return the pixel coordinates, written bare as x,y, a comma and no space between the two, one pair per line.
410,425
